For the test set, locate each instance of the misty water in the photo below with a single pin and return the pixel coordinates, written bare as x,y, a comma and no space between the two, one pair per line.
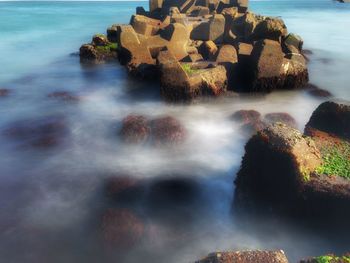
51,200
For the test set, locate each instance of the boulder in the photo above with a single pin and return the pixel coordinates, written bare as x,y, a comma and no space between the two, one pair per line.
332,117
269,28
267,58
294,40
167,131
99,40
275,168
282,117
252,127
135,129
121,229
217,28
155,5
294,73
144,25
227,56
249,256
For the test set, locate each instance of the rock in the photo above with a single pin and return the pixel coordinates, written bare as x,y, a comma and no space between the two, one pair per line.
267,57
332,117
112,33
274,169
294,73
246,116
135,129
155,5
193,58
253,256
144,25
315,91
199,11
64,96
121,229
208,50
4,92
294,40
227,56
100,40
269,28
184,83
329,258
281,117
212,30
88,52
167,131
42,133
242,5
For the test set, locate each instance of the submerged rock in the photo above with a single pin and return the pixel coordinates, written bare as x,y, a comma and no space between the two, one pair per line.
167,130
4,92
246,116
253,256
64,95
135,129
121,229
280,117
315,91
43,132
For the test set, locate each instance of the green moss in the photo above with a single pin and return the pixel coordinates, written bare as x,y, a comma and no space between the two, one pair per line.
108,48
188,69
332,259
336,160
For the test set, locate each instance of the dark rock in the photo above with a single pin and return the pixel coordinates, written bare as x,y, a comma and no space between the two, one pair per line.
43,133
274,168
64,95
281,117
246,116
253,256
100,40
332,117
208,50
167,130
121,229
4,92
135,129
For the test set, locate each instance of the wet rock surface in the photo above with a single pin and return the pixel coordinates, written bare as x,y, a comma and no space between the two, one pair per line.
135,129
64,96
282,117
254,256
99,50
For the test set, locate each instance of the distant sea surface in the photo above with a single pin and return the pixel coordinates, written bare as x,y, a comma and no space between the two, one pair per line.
51,200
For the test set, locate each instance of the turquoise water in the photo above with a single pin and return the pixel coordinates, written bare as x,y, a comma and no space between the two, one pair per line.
50,199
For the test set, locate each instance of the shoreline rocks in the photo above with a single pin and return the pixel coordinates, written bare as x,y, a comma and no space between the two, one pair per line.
200,49
287,172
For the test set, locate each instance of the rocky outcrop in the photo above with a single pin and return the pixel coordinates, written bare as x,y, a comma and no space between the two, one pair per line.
254,256
225,48
99,50
304,175
332,117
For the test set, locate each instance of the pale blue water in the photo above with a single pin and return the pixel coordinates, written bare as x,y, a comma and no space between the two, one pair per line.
48,198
